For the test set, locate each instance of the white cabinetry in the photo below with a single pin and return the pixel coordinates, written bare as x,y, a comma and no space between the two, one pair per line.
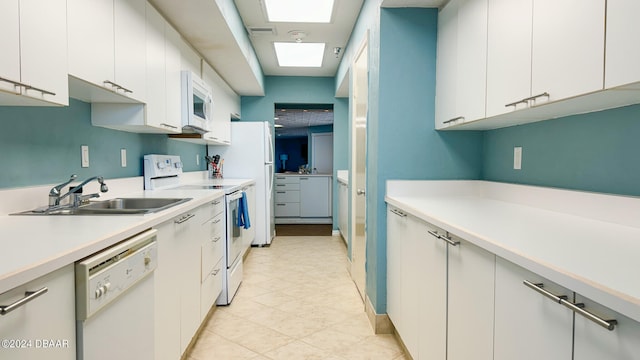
315,196
48,317
107,49
461,63
440,291
343,209
226,104
212,253
524,317
178,281
623,49
287,196
34,33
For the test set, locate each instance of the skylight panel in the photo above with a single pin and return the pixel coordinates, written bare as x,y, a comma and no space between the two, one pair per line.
291,54
316,11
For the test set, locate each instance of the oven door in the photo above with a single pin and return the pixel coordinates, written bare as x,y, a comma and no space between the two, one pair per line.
234,232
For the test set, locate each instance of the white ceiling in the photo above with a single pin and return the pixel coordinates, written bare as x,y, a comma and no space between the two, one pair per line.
202,23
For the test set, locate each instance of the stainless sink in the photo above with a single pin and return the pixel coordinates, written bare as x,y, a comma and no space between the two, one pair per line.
117,206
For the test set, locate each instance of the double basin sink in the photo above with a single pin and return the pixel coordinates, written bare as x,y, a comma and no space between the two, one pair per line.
117,206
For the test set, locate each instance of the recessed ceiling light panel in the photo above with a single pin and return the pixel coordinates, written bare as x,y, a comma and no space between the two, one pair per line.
316,11
299,54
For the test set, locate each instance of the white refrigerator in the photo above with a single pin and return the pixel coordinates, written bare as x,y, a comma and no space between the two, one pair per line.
250,155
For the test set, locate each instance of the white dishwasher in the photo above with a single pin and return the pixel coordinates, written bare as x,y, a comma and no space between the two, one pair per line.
114,301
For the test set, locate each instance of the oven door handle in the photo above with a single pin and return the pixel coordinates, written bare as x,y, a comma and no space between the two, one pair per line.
234,196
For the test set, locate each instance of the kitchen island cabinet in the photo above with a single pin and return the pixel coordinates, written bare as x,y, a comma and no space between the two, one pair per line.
43,328
33,32
303,198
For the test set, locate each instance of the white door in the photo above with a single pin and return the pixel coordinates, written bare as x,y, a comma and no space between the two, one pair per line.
322,152
359,86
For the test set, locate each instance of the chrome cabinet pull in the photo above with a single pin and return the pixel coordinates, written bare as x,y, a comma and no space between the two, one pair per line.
454,119
217,221
536,96
215,272
281,204
27,86
398,212
184,218
516,103
28,296
169,126
216,239
216,202
577,308
117,86
281,192
446,238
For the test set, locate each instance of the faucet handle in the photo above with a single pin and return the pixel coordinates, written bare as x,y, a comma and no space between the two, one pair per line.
56,189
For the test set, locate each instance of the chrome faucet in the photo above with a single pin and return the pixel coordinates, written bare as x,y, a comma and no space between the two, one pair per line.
76,191
54,193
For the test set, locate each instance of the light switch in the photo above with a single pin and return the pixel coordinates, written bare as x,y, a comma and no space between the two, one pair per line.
85,156
517,158
123,157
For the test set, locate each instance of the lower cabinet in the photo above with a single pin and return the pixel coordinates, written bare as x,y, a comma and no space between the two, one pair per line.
343,209
45,327
440,291
315,196
178,281
526,317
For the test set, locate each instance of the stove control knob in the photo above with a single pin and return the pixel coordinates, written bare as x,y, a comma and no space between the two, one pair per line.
147,260
106,287
98,292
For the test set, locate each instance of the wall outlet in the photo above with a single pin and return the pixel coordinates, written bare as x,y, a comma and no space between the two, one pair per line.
123,157
517,158
84,155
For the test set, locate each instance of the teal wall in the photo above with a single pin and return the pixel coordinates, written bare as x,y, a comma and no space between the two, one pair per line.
304,90
41,145
594,152
402,141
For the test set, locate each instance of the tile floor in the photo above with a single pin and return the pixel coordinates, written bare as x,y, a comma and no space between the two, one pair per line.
297,301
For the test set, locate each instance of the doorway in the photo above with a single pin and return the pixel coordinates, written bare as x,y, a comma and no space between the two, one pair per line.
358,180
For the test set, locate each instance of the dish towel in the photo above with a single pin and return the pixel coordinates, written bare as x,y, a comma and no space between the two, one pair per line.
243,212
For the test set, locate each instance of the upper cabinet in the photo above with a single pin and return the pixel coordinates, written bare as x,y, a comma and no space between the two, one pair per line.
461,63
623,49
107,49
537,66
33,33
226,104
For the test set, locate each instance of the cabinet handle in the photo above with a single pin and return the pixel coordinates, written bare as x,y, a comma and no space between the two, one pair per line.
27,86
215,272
216,239
454,119
281,185
184,218
28,296
398,212
577,308
169,126
536,96
217,221
281,204
217,202
304,178
516,103
281,192
117,86
446,238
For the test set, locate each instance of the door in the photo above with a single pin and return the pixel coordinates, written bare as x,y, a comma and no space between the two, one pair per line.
322,152
359,98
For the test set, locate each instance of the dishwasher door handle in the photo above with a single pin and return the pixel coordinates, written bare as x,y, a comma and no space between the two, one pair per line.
28,296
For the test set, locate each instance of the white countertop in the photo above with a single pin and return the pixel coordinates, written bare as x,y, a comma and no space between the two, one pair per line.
34,245
343,176
303,175
598,258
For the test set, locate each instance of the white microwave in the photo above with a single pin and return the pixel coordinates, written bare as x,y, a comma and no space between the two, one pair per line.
197,103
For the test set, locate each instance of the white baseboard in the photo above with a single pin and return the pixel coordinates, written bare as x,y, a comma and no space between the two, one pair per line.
335,232
380,323
294,220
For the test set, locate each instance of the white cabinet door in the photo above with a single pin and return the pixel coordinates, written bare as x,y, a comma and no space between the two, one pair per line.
471,285
446,65
130,50
593,342
471,56
222,105
623,49
461,63
314,196
50,316
343,209
429,278
508,71
192,233
529,326
396,235
91,42
155,65
43,39
567,48
10,45
173,81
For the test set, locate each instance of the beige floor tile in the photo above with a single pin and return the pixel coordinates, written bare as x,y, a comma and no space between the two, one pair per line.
211,346
297,350
331,340
365,350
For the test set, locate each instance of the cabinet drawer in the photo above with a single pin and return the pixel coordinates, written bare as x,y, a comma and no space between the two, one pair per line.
287,196
216,227
287,179
214,208
212,252
211,288
287,209
287,186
